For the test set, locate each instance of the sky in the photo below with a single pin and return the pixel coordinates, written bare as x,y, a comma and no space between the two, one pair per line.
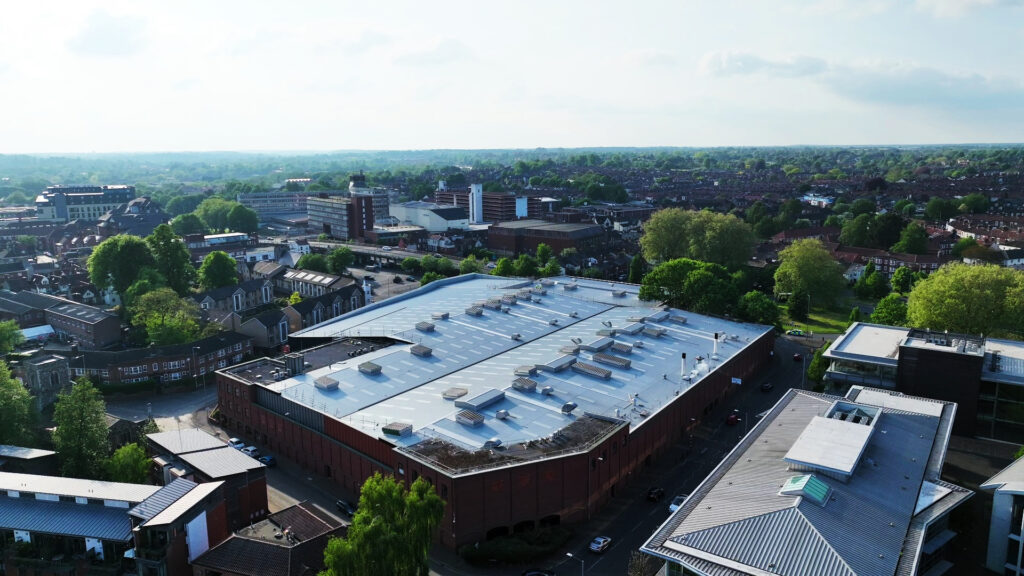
126,76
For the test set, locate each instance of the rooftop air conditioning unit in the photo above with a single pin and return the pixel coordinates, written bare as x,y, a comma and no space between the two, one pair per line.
501,414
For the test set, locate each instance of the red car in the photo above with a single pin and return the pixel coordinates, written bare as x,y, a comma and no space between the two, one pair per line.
797,357
732,419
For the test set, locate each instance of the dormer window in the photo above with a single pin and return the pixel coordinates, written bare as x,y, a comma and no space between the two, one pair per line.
266,294
237,301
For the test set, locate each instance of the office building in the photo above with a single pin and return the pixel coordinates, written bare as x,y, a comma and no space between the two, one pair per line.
89,203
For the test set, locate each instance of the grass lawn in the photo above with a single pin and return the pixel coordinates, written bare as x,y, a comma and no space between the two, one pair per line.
821,321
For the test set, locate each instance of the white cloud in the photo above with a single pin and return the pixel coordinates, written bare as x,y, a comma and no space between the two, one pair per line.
741,63
445,51
953,8
653,58
110,36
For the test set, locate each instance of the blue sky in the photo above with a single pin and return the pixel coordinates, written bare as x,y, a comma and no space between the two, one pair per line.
160,76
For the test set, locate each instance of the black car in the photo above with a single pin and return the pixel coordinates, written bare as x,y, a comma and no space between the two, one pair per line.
655,494
346,507
767,387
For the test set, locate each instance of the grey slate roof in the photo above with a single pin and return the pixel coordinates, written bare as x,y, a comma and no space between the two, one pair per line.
65,518
737,516
185,441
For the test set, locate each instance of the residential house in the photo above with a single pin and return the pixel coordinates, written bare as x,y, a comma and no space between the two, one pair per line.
237,298
91,327
268,329
314,310
309,283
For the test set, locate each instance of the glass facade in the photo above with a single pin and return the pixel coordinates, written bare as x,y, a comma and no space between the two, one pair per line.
866,373
1001,411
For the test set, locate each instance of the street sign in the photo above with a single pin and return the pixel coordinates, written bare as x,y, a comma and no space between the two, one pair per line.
737,381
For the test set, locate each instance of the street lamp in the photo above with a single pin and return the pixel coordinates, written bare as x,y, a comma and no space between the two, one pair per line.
580,560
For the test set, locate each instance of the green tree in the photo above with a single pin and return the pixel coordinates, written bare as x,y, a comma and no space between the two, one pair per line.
129,464
504,267
913,240
637,268
173,260
29,243
313,262
854,315
885,230
470,265
962,245
526,266
856,231
755,306
10,336
183,204
940,209
552,268
147,280
445,267
214,211
544,253
391,533
974,203
902,279
188,224
429,277
167,317
818,365
242,219
891,310
702,287
806,265
339,259
218,270
295,298
411,265
16,412
117,260
799,305
719,238
862,206
81,434
982,299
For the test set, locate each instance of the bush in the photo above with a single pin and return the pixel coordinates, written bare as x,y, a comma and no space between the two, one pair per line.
518,548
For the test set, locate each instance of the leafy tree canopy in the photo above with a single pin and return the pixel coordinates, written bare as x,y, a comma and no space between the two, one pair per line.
188,224
81,434
891,311
314,262
242,219
702,287
218,270
339,259
504,267
982,299
806,265
10,335
168,318
173,260
913,240
675,233
129,464
755,306
16,412
117,260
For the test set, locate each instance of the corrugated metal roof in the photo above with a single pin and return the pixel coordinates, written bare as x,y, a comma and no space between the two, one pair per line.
162,498
737,513
23,453
184,503
78,487
65,518
186,440
221,462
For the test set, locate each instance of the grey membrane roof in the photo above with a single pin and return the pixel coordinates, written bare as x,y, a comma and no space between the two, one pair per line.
1010,479
221,462
65,518
76,487
872,342
22,453
738,522
185,503
1004,361
524,323
185,440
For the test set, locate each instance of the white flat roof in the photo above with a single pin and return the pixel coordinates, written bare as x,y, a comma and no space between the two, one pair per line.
872,342
831,444
77,487
897,401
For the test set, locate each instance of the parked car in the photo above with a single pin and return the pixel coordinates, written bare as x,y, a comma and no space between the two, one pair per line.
655,494
767,387
268,461
251,451
732,420
600,544
236,443
795,332
386,248
677,502
346,507
410,278
368,278
798,357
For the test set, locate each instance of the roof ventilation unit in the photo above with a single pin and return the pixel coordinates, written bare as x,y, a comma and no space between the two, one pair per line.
453,393
657,316
508,300
493,304
591,370
547,282
516,336
370,368
469,418
619,293
481,400
536,299
553,322
439,316
425,326
400,429
474,311
505,309
606,332
326,383
570,349
570,286
622,348
654,331
547,390
524,384
492,443
421,351
501,414
574,314
638,344
525,371
612,360
636,319
568,407
538,290
678,319
295,363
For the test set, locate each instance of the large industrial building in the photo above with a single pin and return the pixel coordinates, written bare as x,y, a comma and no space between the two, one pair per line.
825,485
525,403
523,237
984,376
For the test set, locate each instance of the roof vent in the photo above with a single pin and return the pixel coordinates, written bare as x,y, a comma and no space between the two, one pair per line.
570,286
370,368
524,384
568,407
439,315
516,336
326,383
618,293
421,351
469,418
492,443
622,348
501,414
654,331
400,429
547,282
677,319
612,360
591,370
425,326
481,400
508,299
574,314
453,393
525,371
547,390
474,311
295,363
553,321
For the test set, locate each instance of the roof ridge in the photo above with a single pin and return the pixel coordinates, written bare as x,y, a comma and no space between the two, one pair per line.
822,537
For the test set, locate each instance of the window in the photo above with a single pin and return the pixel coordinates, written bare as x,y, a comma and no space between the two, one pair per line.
266,294
237,301
238,347
282,331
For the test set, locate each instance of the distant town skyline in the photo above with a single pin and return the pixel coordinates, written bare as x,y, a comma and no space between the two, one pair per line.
123,76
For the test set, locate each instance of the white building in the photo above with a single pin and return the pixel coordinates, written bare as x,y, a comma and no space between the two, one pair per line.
430,216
